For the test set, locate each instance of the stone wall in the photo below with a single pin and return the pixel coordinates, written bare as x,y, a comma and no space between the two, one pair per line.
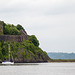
16,38
10,38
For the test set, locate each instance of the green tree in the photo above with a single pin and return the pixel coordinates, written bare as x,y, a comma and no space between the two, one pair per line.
0,51
5,50
19,27
14,31
34,40
11,30
14,49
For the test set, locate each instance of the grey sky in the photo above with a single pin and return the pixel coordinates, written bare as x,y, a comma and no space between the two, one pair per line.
52,21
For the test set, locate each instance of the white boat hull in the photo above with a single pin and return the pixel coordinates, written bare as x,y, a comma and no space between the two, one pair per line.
8,63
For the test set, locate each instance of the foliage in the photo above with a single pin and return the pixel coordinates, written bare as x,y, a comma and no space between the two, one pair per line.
19,27
14,49
26,49
11,30
34,40
1,28
0,51
3,50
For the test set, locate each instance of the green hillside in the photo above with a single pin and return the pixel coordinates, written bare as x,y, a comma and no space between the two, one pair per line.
26,51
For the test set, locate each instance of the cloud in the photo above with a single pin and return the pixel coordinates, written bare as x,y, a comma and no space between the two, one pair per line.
52,21
53,6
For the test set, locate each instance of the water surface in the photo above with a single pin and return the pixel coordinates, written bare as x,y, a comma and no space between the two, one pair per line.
38,69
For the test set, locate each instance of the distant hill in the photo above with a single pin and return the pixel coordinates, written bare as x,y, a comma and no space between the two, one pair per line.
61,55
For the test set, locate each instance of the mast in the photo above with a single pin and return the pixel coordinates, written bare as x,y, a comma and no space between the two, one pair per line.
9,51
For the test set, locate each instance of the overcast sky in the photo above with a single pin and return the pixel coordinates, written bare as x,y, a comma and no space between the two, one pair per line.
52,21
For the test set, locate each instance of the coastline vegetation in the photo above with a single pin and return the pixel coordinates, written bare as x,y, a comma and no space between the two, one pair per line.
26,51
61,60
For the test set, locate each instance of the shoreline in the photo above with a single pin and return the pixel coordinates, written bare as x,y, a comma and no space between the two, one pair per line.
61,60
51,60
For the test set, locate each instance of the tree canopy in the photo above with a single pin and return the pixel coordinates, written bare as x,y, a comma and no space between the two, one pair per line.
10,29
19,27
34,40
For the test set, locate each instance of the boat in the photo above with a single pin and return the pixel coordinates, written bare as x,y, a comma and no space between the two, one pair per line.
8,62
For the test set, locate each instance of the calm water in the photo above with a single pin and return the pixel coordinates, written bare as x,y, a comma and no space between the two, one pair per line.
38,69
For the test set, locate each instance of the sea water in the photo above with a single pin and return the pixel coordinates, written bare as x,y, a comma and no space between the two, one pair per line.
38,69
